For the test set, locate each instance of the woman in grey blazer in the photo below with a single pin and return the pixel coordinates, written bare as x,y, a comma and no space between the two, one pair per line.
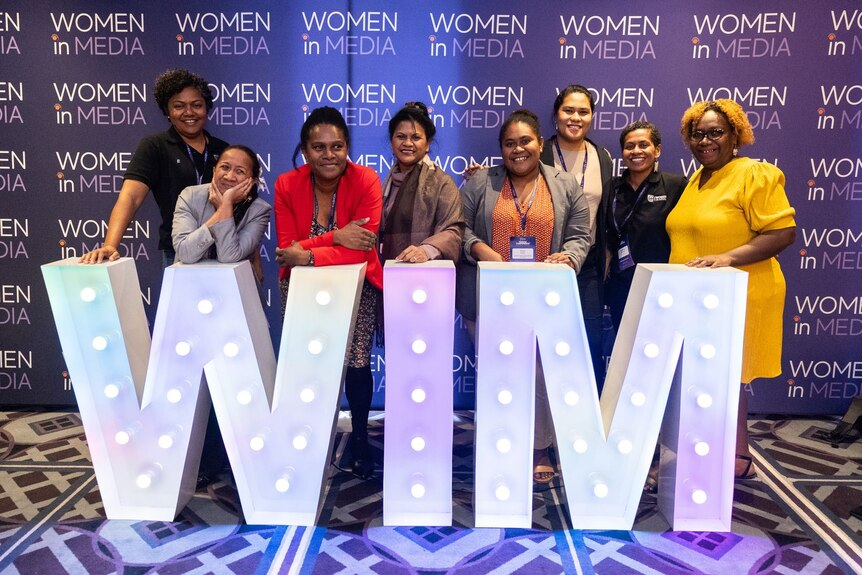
522,211
224,220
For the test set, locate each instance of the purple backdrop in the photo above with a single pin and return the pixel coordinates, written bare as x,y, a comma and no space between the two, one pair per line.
76,96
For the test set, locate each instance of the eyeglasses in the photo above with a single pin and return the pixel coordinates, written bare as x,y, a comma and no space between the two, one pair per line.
713,134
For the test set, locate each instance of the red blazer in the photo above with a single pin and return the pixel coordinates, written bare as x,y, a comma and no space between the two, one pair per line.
358,197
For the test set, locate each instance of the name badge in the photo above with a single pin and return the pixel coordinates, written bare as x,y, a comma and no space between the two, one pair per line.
522,248
624,256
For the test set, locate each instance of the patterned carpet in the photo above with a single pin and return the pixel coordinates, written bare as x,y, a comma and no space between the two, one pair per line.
795,519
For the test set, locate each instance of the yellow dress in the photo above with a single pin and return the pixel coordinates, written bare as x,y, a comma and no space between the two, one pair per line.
739,201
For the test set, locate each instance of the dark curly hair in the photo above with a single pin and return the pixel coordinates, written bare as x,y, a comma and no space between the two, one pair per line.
522,115
654,134
172,82
319,116
415,112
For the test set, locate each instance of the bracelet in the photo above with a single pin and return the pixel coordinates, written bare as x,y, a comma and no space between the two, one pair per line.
310,261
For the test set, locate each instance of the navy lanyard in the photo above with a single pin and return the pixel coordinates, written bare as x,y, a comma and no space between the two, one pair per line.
621,226
563,160
331,207
518,204
198,175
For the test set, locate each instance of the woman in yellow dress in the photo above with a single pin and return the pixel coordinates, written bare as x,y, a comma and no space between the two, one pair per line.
734,212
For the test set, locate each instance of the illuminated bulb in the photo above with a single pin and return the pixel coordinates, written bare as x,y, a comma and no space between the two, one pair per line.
174,395
323,297
145,480
417,490
282,484
651,350
506,347
88,294
704,400
306,395
300,440
624,446
665,300
507,298
580,446
562,348
638,399
419,346
701,448
257,442
183,348
112,390
600,489
417,443
419,296
504,445
230,349
100,343
707,351
504,396
502,492
205,306
418,395
552,298
244,397
315,346
166,440
710,301
122,437
571,398
698,496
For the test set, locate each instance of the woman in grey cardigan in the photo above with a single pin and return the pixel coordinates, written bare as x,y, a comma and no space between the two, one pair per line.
522,203
224,220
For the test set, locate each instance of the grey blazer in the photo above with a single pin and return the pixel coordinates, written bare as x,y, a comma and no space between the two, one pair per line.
571,234
192,239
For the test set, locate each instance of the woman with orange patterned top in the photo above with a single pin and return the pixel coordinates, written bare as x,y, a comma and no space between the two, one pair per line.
522,207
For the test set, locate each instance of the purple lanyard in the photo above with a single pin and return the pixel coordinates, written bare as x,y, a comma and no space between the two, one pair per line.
563,160
518,204
198,175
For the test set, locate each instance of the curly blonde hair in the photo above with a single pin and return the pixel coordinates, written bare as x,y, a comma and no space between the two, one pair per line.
732,111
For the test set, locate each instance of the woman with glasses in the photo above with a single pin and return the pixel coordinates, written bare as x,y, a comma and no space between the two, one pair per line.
735,212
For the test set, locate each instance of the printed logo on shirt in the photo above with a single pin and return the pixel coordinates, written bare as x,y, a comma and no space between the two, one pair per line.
652,198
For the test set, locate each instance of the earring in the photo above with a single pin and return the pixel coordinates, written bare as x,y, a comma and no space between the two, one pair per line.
735,152
655,166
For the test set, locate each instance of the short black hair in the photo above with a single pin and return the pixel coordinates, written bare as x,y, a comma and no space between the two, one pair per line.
320,116
172,82
521,115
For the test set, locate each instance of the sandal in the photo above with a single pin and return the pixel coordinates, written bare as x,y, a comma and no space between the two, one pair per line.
651,485
543,474
748,472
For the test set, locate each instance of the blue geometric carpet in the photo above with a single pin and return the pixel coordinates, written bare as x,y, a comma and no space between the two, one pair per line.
795,519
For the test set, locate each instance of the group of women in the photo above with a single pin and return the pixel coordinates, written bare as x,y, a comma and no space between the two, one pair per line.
554,201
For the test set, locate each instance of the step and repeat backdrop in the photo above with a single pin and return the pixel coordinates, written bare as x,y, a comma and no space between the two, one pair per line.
76,97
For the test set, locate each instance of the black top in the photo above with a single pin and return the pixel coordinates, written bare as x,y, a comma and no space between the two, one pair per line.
163,163
648,240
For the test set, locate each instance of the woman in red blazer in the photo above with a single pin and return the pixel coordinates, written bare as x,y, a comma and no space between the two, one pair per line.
327,212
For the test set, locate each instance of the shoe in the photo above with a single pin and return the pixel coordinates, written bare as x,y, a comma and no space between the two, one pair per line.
651,485
205,478
363,465
543,474
748,472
